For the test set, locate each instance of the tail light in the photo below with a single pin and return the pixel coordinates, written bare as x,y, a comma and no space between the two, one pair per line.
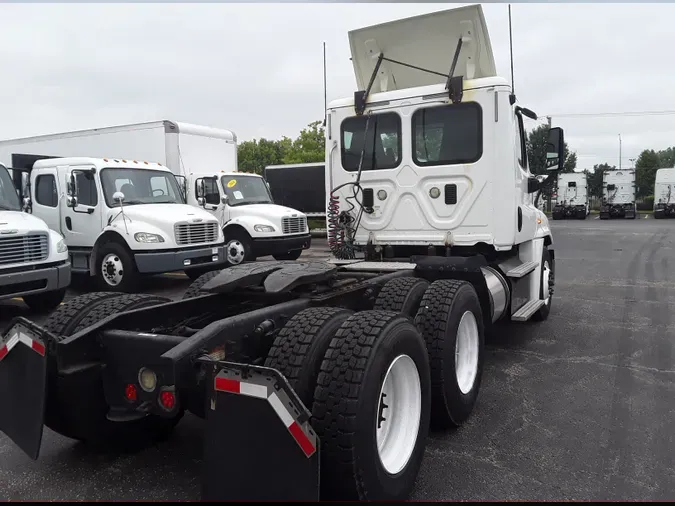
167,399
130,393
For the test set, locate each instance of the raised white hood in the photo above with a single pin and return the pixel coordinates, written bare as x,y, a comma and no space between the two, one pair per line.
426,41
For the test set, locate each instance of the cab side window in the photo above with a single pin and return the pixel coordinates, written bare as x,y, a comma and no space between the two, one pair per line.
86,188
46,193
522,146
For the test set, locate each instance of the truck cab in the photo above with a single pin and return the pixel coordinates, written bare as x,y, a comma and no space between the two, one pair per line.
572,201
123,218
34,260
253,225
664,194
618,194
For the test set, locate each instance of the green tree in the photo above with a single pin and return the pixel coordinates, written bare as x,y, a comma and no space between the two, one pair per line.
255,155
536,152
667,157
309,147
595,178
645,172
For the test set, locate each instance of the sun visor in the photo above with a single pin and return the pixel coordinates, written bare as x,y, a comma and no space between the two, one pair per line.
429,42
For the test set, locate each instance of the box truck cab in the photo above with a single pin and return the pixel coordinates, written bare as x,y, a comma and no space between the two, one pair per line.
253,225
123,218
34,261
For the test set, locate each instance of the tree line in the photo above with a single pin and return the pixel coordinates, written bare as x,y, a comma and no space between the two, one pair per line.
309,147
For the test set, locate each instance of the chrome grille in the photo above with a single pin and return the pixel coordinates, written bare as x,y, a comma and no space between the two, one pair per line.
196,233
24,249
294,225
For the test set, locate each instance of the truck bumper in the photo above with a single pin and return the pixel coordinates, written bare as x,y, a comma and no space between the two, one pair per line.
35,280
280,245
156,262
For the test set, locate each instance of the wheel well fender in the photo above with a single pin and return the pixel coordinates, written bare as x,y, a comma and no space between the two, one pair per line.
104,238
235,229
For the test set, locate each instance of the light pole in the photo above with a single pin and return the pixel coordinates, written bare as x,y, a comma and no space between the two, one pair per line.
619,151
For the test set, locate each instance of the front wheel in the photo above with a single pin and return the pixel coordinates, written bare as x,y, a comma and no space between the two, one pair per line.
238,247
45,301
546,283
116,268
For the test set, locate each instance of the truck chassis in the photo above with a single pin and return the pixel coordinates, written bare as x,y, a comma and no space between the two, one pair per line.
662,210
565,211
608,211
288,363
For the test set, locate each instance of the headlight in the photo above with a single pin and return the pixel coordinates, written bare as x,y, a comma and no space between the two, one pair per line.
147,237
263,228
61,246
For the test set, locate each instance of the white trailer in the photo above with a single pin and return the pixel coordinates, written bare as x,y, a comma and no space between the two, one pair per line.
34,262
618,194
572,196
664,194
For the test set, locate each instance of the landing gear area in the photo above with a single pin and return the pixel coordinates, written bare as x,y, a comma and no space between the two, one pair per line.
561,212
627,211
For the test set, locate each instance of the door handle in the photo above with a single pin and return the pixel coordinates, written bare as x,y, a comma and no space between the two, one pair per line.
69,223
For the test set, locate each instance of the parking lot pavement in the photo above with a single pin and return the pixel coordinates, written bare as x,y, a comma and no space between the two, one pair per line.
578,407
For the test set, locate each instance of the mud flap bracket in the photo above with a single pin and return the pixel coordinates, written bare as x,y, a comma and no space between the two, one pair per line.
258,443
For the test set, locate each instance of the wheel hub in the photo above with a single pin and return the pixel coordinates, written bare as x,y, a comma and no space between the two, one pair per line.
235,252
466,352
112,269
399,413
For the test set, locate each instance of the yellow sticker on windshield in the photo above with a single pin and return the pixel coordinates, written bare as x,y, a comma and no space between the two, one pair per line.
231,183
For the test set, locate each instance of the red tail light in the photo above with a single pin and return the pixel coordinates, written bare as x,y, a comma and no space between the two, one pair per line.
167,400
130,392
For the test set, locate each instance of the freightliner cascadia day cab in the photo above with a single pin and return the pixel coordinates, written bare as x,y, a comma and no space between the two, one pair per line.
572,200
204,160
121,219
321,379
664,194
34,261
618,194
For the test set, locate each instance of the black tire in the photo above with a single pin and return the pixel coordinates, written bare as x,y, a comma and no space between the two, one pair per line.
604,216
658,215
87,421
300,346
242,237
542,313
402,295
195,273
129,281
194,290
291,255
45,301
63,321
442,308
347,407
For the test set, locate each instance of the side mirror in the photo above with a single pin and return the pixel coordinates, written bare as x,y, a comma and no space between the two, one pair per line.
200,189
555,149
224,200
71,191
201,201
118,197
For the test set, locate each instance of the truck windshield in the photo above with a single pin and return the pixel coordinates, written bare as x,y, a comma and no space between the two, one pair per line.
9,200
140,186
242,190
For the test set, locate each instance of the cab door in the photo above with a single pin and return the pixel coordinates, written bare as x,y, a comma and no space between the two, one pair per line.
82,216
46,196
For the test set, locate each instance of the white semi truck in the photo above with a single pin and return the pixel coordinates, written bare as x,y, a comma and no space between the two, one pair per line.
34,262
121,219
618,194
572,197
321,379
204,159
664,194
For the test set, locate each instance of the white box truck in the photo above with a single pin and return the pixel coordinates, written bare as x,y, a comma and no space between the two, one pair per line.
572,196
34,262
121,219
204,159
664,196
618,194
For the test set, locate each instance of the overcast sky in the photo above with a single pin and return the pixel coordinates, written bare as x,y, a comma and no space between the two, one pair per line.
257,68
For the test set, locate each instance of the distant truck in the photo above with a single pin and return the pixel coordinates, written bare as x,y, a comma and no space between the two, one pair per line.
204,160
34,261
301,186
572,197
664,194
618,194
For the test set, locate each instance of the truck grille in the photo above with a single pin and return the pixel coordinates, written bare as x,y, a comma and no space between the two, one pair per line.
24,249
294,225
195,233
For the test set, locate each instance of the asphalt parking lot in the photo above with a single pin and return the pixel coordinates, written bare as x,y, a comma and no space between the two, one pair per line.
579,407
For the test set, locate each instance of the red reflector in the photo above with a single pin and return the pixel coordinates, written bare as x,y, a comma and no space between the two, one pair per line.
302,439
130,392
3,352
227,385
39,347
167,399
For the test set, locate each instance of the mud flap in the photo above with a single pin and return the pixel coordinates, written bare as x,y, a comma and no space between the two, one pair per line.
258,444
23,382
